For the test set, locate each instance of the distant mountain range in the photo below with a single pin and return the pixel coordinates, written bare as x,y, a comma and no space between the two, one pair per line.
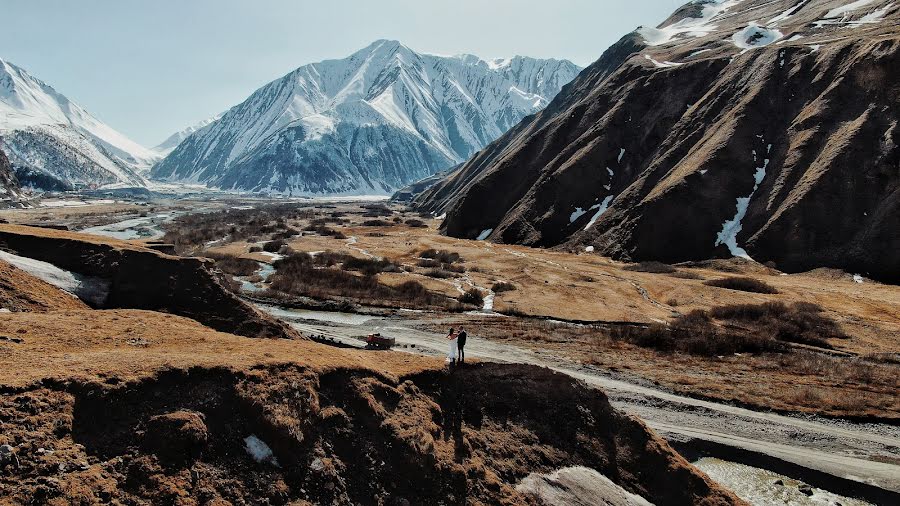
367,124
53,143
753,128
172,142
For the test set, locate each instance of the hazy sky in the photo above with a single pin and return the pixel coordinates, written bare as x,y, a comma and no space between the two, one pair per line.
150,68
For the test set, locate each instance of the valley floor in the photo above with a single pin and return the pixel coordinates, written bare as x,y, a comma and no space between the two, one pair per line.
828,407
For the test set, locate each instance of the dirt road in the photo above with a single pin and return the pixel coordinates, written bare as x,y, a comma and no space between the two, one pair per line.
866,453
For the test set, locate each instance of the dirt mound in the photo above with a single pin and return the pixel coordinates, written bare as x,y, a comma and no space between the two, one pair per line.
142,278
344,437
19,291
177,436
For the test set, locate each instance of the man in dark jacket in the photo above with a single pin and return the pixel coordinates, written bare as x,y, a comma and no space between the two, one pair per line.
460,344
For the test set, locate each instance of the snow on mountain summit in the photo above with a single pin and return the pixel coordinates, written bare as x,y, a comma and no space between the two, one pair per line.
54,141
366,124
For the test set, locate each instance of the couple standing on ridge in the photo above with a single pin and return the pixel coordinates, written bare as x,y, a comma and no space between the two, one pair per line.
457,345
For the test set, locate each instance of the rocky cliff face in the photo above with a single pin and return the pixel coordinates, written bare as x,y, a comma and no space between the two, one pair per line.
9,185
367,124
736,128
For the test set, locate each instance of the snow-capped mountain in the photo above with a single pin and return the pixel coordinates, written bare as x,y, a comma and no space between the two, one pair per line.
167,146
53,142
754,128
366,124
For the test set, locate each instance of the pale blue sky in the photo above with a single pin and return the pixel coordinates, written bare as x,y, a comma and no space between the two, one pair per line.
150,68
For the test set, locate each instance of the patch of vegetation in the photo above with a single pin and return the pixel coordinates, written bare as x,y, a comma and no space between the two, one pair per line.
442,256
324,231
686,275
236,266
743,284
472,296
298,274
192,231
653,267
274,246
369,266
376,223
738,328
439,274
503,286
802,322
416,223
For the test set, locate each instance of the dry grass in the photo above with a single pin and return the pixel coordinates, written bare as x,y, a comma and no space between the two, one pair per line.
792,380
234,265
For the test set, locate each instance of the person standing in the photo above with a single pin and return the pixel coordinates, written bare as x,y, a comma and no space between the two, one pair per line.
451,353
460,344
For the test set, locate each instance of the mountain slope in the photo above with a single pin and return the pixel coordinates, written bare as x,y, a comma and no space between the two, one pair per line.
53,142
9,185
369,123
754,128
167,146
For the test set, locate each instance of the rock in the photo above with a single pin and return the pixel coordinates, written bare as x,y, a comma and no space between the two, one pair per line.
779,482
805,489
177,437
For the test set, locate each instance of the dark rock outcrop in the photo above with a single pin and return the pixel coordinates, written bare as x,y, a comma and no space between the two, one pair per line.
141,278
9,185
780,142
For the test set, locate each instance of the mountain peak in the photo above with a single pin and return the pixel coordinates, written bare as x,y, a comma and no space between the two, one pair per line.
408,114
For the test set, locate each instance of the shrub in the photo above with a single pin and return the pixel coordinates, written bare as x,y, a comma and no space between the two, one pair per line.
503,286
654,267
274,246
442,256
428,263
472,296
415,223
376,223
743,284
236,266
802,322
255,249
369,266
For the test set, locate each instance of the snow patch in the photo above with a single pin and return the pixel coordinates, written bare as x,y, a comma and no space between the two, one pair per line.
589,249
688,27
577,213
731,228
601,208
484,234
662,65
90,289
755,36
259,450
858,278
622,150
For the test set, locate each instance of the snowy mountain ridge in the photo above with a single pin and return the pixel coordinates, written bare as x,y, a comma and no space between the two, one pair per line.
167,146
367,124
51,139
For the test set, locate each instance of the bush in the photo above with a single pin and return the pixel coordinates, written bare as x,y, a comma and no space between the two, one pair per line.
298,274
503,286
428,263
274,246
369,266
442,256
415,223
472,296
654,267
236,266
802,322
376,223
743,284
